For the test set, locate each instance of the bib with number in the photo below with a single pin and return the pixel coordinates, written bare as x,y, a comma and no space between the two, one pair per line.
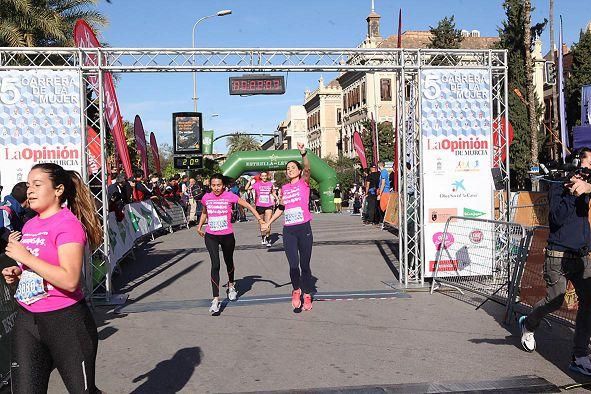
30,288
294,215
218,223
264,199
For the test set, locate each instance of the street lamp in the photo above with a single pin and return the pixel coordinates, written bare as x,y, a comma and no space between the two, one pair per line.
219,13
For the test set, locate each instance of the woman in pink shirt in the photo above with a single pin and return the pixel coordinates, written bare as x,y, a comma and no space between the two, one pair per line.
54,326
264,202
217,210
297,232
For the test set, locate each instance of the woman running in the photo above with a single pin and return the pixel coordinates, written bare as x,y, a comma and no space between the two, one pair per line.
54,326
217,210
297,232
264,202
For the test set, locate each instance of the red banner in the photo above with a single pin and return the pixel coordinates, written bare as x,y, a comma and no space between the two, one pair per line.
358,145
94,158
155,153
84,37
140,140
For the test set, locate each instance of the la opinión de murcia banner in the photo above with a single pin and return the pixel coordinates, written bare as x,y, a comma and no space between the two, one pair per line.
457,149
39,122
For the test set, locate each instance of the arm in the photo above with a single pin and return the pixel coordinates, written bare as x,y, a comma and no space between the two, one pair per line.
202,220
561,204
249,185
305,162
278,212
66,276
244,204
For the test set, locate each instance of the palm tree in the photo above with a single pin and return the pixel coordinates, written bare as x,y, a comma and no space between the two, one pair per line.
241,142
44,22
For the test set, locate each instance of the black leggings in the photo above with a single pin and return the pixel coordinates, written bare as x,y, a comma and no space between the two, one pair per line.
297,242
212,243
65,339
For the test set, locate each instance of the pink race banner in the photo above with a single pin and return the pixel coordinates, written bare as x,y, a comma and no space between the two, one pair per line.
84,37
94,151
140,140
155,153
358,144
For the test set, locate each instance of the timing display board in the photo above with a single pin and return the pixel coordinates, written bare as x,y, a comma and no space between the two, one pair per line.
188,162
257,84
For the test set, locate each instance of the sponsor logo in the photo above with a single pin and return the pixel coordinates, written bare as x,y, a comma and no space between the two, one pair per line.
438,240
458,185
476,236
444,265
461,147
468,165
440,215
472,213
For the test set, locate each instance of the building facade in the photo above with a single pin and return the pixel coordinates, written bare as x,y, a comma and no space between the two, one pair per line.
323,114
293,129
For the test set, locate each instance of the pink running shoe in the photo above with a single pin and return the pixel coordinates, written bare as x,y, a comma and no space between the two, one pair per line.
296,301
307,302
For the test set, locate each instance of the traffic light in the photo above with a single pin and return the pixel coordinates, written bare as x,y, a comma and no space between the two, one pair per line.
549,73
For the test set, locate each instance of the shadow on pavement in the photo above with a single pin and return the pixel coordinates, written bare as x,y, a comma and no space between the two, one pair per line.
171,376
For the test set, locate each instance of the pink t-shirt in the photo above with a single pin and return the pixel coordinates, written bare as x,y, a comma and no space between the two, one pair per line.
263,194
219,212
43,237
296,199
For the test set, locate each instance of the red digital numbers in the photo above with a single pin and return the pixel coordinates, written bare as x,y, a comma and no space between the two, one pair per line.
245,85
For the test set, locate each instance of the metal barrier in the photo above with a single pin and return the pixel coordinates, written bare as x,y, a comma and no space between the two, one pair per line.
479,256
531,286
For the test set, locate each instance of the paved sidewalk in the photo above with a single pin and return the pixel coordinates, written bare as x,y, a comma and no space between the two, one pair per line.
360,332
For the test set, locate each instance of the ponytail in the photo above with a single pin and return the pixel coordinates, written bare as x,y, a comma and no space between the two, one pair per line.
78,199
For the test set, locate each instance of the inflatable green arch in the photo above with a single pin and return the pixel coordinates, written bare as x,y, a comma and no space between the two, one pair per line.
322,173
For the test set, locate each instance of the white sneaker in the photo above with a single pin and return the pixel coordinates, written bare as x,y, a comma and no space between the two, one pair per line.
232,293
215,306
263,241
269,244
581,365
528,341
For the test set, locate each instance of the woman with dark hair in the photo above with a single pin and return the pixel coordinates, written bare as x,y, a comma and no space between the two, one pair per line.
297,232
54,326
217,210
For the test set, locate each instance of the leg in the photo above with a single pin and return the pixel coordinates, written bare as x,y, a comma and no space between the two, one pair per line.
555,289
268,214
583,322
290,244
228,243
212,245
305,241
193,212
72,338
31,362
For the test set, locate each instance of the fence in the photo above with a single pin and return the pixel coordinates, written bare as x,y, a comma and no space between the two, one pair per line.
479,256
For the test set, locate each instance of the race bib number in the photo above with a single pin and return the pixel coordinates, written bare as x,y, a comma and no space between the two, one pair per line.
294,215
30,288
218,223
264,199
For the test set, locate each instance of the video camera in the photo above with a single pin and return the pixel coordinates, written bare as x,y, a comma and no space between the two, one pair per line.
555,171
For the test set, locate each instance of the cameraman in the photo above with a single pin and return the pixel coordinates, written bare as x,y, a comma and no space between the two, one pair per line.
567,258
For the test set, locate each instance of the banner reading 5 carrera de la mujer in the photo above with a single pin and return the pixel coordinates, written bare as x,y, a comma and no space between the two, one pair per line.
456,130
39,122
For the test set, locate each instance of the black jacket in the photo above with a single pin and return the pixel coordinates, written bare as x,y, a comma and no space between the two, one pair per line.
568,217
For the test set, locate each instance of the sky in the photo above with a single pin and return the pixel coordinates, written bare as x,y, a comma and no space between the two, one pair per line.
274,24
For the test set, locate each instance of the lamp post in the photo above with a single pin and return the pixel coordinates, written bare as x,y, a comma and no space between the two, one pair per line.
219,13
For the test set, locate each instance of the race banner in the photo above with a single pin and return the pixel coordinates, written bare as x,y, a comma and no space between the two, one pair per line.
207,136
457,153
40,122
94,151
358,145
84,37
140,140
155,153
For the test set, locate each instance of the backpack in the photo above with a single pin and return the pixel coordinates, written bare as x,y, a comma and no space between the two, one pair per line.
14,219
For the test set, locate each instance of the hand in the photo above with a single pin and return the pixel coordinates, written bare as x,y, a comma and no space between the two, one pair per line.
264,226
200,232
16,235
11,274
301,148
579,187
16,250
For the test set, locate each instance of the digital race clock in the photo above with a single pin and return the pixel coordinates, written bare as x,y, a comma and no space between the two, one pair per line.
257,84
188,162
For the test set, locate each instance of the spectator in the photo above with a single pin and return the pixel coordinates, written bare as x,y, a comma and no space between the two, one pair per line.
384,190
141,191
338,200
12,213
118,191
371,191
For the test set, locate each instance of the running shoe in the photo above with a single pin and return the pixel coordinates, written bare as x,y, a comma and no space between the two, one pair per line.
296,300
269,244
232,293
581,365
263,240
528,341
307,302
215,306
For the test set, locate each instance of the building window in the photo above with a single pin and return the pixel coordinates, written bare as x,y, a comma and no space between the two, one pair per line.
385,89
363,95
339,116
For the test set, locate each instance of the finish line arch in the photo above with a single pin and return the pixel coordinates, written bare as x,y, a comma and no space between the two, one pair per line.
321,172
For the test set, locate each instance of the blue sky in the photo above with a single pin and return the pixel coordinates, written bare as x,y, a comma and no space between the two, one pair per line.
280,24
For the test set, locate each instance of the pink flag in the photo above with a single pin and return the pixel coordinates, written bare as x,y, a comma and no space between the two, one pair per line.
94,151
140,140
358,144
155,153
84,37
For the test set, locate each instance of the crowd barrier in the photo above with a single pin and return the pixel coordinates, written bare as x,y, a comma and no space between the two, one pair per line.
480,256
7,315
